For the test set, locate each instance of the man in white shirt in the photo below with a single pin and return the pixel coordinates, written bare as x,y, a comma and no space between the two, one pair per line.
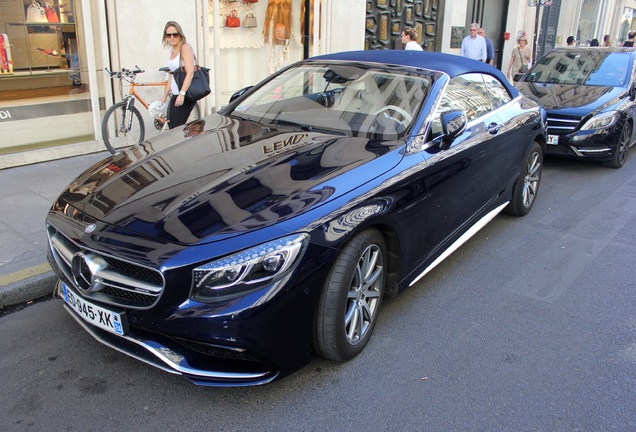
473,45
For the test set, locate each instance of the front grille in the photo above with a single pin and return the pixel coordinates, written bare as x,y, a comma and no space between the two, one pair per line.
562,124
141,273
110,280
129,295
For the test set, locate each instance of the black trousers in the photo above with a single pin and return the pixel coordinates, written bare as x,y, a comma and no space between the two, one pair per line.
179,115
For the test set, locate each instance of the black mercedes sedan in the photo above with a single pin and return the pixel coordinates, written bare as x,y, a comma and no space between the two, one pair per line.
589,96
232,248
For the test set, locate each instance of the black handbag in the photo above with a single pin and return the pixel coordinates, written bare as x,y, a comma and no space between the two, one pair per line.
524,67
200,85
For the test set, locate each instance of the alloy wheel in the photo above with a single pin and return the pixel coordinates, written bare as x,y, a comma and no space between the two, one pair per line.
532,179
364,294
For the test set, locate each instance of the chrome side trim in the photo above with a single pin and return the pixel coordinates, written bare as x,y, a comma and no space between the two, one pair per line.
463,239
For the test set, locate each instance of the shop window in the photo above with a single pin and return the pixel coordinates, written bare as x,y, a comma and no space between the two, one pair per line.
41,75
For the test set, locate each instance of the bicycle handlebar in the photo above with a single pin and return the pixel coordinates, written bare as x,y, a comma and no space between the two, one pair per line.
125,73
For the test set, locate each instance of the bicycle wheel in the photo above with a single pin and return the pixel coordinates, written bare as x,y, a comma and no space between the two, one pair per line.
122,127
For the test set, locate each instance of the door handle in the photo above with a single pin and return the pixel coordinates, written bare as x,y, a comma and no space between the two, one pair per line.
494,128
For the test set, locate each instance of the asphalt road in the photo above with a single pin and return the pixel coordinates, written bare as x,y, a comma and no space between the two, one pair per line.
530,326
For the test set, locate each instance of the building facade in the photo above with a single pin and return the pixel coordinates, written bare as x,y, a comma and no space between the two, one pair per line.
54,87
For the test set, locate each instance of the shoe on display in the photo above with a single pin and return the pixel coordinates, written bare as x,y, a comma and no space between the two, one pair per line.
49,52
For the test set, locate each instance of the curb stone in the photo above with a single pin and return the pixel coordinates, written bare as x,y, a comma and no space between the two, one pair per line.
27,290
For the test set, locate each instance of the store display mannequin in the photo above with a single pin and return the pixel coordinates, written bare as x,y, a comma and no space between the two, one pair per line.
277,33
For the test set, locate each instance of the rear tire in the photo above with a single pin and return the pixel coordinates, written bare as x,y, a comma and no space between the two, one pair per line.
525,190
351,298
115,131
620,153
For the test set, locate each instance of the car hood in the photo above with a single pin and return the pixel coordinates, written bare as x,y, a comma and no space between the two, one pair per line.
223,180
575,99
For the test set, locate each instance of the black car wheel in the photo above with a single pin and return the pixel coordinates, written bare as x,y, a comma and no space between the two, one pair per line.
620,154
351,298
527,185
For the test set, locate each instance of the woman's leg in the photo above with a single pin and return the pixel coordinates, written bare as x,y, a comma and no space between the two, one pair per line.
179,115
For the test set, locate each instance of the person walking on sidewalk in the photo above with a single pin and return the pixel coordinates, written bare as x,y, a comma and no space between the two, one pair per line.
520,58
409,39
181,55
473,45
490,49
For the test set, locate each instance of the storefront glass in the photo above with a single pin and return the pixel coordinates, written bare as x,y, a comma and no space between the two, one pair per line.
628,24
589,21
259,38
44,98
274,25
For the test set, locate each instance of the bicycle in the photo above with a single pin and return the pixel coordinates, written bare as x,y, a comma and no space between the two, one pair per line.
123,124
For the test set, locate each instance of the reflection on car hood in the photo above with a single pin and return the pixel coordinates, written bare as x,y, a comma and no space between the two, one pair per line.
579,97
229,178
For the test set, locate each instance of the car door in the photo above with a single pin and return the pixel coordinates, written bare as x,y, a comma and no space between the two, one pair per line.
466,177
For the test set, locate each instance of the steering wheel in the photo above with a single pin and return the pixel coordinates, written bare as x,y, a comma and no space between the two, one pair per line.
406,117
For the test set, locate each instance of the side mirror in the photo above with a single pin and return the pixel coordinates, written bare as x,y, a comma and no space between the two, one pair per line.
517,77
453,124
239,93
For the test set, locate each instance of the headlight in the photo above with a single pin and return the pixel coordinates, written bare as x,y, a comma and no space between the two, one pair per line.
602,121
245,270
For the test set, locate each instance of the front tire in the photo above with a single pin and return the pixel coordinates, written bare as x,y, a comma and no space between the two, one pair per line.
525,190
620,154
122,127
351,298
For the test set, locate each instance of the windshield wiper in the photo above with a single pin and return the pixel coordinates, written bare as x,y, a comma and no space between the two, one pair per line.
238,117
304,127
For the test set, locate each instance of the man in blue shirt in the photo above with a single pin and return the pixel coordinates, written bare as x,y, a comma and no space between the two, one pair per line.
473,45
490,49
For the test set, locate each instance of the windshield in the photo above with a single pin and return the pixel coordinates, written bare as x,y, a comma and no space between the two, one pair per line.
594,67
354,100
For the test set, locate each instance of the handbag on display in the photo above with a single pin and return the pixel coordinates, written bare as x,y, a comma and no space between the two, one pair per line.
35,14
250,21
233,20
51,15
200,85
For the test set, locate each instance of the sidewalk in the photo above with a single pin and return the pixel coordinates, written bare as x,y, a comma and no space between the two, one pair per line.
26,194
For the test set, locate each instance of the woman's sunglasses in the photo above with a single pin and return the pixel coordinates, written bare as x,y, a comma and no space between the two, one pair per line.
171,35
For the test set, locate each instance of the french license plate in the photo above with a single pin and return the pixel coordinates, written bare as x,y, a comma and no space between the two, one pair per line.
96,315
553,139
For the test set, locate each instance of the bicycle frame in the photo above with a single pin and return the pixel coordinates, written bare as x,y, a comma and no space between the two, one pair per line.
122,124
136,94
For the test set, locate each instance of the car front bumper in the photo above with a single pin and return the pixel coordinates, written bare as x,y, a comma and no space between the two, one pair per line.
171,356
595,145
251,339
